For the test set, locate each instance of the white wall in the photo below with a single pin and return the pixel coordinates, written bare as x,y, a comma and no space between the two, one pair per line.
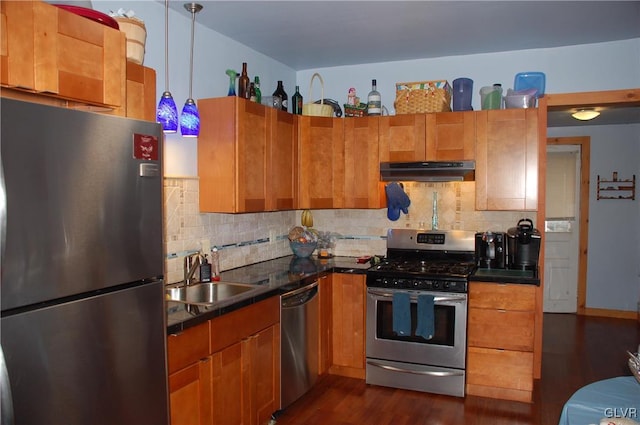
602,66
613,273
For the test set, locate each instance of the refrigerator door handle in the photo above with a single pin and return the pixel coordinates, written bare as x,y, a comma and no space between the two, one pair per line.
3,212
6,401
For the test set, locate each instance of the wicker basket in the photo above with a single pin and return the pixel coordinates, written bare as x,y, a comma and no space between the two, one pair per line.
423,96
317,109
355,111
136,34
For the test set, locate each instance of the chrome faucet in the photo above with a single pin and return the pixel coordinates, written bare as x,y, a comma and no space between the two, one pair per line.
191,264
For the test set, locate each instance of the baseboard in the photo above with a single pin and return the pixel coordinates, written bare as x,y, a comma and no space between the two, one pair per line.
618,314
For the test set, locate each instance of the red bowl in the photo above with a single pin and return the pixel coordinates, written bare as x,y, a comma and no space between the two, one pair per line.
94,15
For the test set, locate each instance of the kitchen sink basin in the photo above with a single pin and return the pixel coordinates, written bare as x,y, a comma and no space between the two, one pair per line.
206,293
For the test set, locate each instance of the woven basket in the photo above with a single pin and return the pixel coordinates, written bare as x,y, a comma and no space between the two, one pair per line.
317,109
423,96
136,34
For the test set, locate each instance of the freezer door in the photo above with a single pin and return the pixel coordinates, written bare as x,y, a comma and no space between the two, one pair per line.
81,212
100,360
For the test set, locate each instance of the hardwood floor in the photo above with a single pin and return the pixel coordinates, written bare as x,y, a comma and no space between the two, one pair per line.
577,350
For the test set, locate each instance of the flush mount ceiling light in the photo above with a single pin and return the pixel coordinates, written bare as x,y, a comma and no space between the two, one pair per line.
190,118
167,112
585,114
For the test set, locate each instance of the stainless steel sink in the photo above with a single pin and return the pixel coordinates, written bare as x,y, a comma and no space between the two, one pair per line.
206,293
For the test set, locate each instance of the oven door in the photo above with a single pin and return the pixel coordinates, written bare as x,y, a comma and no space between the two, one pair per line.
446,348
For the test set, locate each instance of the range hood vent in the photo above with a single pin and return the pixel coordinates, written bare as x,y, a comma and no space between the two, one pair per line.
432,171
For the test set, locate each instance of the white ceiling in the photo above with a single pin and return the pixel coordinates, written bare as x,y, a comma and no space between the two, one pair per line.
306,34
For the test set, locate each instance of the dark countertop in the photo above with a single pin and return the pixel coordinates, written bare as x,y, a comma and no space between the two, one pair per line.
526,277
271,278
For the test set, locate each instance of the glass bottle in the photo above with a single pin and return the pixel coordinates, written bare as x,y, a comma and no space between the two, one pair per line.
296,102
434,216
215,264
256,85
374,101
252,92
243,82
282,95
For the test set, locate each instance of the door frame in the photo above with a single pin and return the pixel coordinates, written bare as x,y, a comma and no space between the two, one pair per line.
583,223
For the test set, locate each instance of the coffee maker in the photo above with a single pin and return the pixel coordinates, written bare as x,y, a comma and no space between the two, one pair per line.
491,250
523,246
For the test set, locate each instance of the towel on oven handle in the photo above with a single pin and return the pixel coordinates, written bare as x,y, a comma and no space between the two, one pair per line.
397,200
425,326
401,309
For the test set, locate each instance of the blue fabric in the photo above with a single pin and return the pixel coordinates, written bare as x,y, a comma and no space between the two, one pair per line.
401,308
425,316
397,200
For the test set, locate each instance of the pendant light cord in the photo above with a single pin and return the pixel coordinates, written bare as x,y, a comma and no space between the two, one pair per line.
193,23
166,45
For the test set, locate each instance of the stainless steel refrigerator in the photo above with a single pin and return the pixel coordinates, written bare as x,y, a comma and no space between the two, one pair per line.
83,313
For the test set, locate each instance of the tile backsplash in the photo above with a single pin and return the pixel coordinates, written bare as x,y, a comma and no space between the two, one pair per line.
250,238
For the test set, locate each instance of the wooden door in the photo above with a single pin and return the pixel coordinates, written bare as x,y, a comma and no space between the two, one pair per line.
362,163
402,138
261,357
507,160
251,156
282,160
227,386
451,136
190,394
325,357
348,324
321,162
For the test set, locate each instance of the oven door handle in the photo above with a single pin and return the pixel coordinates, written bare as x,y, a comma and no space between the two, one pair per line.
416,372
436,299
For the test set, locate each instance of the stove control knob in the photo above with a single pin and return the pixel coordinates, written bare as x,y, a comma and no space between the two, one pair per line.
446,285
436,284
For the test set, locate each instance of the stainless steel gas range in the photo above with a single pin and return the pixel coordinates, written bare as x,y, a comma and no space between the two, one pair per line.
417,311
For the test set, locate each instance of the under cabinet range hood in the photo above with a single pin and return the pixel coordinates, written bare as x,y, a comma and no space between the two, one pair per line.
428,171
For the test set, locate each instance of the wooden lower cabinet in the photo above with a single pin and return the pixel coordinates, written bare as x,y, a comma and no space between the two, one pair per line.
227,370
500,340
348,292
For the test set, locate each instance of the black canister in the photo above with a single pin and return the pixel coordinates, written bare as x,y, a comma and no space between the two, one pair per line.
523,246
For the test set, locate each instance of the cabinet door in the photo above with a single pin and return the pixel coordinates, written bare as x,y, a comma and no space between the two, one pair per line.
325,356
282,160
141,92
402,138
362,163
451,136
17,45
262,374
321,162
232,149
190,394
507,159
348,324
227,386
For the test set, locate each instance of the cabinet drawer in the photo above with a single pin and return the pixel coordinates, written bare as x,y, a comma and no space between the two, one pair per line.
233,327
514,297
504,329
500,368
187,347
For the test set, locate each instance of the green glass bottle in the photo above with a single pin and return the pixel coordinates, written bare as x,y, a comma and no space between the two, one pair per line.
256,85
296,102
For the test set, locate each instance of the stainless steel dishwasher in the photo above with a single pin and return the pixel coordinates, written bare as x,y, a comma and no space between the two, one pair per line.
299,323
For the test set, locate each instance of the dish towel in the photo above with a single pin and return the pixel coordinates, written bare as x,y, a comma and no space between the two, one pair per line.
401,309
397,200
425,316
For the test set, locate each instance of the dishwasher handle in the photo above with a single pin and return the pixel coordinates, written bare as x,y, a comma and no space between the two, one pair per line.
299,296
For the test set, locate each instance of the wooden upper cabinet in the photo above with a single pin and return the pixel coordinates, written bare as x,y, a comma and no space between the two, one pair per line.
49,50
402,138
140,92
451,136
321,175
507,159
282,146
232,155
362,163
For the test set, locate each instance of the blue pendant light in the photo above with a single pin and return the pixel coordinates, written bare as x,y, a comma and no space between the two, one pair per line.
190,118
167,112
